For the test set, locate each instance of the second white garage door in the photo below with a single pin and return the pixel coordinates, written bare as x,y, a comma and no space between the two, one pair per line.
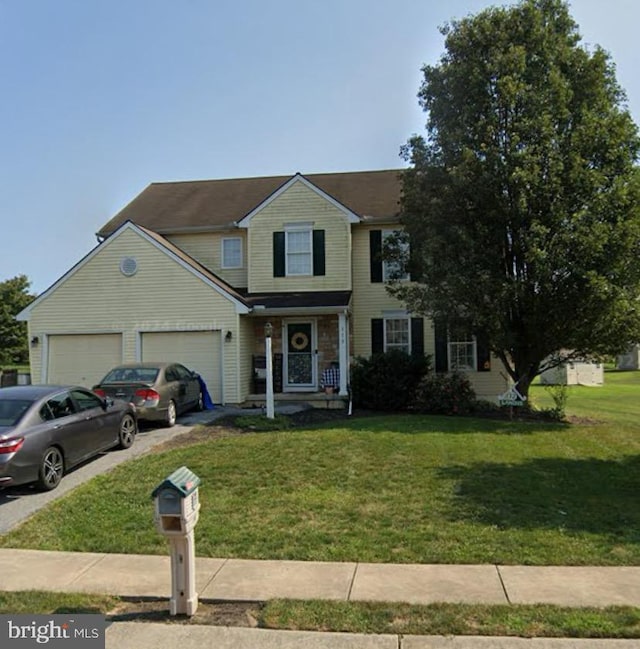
82,359
198,350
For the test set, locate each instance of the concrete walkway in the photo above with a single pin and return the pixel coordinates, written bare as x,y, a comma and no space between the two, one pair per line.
244,580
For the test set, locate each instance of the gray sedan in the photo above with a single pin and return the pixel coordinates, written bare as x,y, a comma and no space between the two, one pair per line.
45,430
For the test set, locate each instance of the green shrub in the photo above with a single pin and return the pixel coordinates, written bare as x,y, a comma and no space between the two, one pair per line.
559,393
387,381
445,394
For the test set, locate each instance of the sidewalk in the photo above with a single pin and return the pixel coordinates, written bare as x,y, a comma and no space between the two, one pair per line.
245,580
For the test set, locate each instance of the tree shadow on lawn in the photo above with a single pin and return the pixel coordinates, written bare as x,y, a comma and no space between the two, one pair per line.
582,495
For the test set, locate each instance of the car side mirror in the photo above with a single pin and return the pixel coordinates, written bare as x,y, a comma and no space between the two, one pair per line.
107,403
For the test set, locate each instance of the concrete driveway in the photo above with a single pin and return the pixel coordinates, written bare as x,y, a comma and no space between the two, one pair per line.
18,503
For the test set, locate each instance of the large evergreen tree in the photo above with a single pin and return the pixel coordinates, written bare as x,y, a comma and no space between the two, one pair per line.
14,296
522,200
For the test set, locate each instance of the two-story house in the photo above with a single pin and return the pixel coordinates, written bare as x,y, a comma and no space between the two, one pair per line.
193,271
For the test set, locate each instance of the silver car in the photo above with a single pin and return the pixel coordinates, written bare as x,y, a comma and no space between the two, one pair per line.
158,391
45,430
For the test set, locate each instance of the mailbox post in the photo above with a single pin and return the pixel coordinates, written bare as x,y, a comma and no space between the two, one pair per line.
177,508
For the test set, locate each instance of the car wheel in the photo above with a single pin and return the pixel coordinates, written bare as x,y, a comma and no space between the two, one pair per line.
51,469
127,432
171,414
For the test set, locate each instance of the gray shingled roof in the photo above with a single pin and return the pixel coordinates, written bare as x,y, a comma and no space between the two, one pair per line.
210,204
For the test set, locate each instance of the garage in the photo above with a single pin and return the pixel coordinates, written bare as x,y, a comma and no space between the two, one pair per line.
198,350
82,359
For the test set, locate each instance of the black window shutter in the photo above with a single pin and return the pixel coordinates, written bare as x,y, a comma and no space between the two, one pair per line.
377,335
375,255
417,337
414,264
278,254
483,353
441,340
318,252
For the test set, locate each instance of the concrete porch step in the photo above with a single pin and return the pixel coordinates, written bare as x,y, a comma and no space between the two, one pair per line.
313,399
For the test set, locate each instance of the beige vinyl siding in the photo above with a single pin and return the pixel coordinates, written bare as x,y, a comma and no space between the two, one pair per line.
245,374
371,300
299,204
206,247
161,296
489,385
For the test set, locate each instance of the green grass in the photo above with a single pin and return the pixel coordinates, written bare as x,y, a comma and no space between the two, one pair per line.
364,617
452,619
35,602
399,488
616,402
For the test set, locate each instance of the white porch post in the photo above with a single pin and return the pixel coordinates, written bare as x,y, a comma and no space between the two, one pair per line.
268,330
343,351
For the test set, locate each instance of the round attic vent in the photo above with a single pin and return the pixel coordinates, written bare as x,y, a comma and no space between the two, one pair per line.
128,266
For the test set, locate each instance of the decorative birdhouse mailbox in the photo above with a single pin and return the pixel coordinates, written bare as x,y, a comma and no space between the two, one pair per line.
177,502
177,508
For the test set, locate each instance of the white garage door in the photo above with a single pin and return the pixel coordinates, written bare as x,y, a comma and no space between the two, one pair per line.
82,359
198,350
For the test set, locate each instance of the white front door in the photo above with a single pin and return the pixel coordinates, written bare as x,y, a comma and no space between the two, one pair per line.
300,363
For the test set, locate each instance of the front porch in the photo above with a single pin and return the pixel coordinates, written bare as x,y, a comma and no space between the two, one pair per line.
314,399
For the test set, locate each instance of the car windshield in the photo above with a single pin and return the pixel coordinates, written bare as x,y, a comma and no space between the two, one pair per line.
131,375
12,410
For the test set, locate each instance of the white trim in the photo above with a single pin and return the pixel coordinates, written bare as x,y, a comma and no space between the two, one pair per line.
299,225
293,310
222,242
308,254
471,341
128,225
343,350
351,217
406,318
44,359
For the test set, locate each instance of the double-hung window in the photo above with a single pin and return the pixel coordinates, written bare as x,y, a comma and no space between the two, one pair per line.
299,249
397,331
462,353
392,269
397,335
232,252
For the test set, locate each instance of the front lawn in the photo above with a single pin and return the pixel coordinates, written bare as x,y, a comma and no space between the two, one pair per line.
401,488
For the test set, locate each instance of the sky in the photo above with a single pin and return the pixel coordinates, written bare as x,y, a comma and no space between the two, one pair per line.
100,98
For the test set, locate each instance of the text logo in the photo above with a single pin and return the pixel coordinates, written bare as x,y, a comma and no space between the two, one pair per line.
52,631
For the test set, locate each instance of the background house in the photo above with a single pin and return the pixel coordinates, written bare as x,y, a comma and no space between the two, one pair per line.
192,272
630,360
